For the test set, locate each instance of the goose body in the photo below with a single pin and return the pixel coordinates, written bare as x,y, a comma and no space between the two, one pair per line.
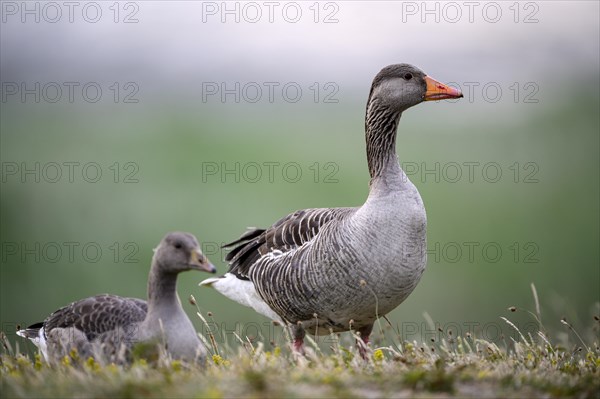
108,326
319,270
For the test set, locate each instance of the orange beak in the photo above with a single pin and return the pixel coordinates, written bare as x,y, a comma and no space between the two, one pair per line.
439,91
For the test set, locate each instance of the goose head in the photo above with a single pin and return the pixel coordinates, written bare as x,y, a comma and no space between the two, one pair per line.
401,86
179,252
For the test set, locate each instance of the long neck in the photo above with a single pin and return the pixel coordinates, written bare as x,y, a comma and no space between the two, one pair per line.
162,289
381,125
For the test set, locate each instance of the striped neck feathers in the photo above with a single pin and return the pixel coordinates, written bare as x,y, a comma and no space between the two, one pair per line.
381,125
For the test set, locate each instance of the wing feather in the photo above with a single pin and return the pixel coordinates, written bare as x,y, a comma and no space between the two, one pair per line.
287,234
97,315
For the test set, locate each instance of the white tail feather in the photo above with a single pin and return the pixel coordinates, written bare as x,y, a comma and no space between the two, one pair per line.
242,292
39,340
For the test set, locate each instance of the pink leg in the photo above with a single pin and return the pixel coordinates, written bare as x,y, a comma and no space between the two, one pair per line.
299,345
363,346
298,334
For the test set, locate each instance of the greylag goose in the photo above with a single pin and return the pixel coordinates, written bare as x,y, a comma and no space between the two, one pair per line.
107,326
336,269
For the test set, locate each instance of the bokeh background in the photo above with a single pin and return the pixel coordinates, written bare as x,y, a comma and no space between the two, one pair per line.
512,167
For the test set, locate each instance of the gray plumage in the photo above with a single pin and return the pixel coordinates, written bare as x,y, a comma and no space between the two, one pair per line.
319,269
108,326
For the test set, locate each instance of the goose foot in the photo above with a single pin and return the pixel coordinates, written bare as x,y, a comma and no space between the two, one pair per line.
363,343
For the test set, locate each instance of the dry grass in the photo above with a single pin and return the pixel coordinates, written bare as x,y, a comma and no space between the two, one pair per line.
462,366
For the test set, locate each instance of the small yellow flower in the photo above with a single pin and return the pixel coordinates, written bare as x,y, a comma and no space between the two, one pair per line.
74,354
38,362
176,365
378,355
219,361
66,361
92,364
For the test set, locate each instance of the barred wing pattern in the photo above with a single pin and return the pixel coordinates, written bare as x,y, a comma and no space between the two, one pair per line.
287,234
98,314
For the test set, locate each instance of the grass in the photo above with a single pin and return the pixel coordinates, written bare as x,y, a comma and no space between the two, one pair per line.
457,366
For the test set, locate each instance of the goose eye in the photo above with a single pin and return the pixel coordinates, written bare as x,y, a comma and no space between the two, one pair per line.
408,76
178,245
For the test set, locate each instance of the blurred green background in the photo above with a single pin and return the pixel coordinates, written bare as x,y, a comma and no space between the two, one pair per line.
543,212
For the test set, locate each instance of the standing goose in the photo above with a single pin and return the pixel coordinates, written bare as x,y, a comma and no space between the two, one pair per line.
335,269
104,325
